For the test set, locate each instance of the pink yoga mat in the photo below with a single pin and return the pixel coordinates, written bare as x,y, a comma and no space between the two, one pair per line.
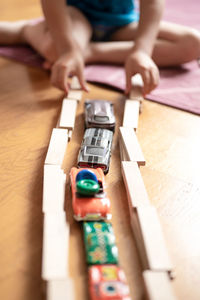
179,87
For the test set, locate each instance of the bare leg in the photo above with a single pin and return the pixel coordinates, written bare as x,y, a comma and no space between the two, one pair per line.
38,36
12,32
40,39
176,44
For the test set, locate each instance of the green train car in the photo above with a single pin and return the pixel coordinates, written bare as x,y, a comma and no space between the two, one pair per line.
100,243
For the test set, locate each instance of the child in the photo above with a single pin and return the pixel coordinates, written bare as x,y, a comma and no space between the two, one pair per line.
76,32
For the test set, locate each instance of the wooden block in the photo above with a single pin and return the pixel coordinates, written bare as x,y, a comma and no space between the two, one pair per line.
54,182
75,94
137,85
158,286
123,155
136,94
57,147
131,145
68,113
131,114
139,239
60,289
153,239
137,80
55,246
135,188
75,85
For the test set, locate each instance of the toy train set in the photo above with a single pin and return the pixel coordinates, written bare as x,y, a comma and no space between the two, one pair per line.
91,205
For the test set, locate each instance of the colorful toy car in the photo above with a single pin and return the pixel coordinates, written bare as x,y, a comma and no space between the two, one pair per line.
89,205
108,282
99,114
100,243
95,150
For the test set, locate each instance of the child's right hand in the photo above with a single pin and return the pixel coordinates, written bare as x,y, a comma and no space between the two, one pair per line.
140,62
68,63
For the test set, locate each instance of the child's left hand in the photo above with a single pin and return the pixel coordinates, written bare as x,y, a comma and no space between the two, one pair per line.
139,62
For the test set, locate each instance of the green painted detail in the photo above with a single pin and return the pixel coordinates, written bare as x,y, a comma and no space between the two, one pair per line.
87,187
100,243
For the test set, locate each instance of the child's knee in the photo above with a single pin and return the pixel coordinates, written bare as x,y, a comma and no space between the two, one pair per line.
191,44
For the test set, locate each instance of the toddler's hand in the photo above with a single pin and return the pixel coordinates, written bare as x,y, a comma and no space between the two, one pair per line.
69,63
140,62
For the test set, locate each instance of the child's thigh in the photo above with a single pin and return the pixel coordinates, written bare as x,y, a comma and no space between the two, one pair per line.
39,37
167,31
173,32
125,33
81,28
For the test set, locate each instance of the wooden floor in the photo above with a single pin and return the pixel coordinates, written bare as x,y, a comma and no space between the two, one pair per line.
29,109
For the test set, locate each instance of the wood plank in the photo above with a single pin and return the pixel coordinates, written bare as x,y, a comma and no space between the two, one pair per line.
139,239
131,145
55,246
153,239
75,85
74,94
57,147
123,155
137,85
158,286
54,183
131,113
137,80
68,114
136,90
60,289
135,188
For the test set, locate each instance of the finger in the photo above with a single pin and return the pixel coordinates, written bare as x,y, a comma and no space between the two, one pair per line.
81,79
59,77
152,82
147,81
128,81
47,65
154,75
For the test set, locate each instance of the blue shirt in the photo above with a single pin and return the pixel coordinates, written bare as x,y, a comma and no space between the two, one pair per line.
107,12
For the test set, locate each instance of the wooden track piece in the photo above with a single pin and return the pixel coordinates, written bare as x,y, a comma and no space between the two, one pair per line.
68,113
131,113
137,85
54,182
57,147
135,188
153,239
131,145
60,289
158,286
75,85
139,239
123,155
55,246
74,94
137,80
